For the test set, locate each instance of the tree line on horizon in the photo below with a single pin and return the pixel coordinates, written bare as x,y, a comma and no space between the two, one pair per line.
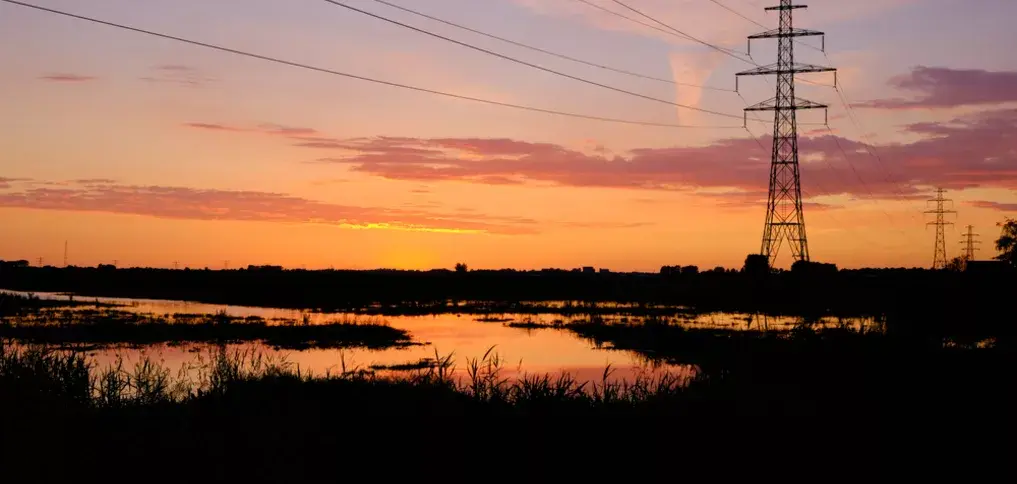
1006,245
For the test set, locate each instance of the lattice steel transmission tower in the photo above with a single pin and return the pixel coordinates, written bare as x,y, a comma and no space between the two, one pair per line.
969,243
784,217
939,260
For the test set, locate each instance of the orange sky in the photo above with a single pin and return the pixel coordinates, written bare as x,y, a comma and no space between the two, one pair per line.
148,152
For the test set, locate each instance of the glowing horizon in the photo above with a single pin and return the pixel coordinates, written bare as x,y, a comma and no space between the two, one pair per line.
148,152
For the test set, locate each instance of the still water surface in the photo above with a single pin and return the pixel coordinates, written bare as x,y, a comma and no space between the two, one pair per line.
523,351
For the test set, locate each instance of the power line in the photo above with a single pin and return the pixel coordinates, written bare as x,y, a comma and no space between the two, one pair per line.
830,167
939,259
545,51
840,147
969,241
872,197
353,76
729,9
528,64
785,218
823,190
847,160
869,147
678,33
712,46
636,21
848,109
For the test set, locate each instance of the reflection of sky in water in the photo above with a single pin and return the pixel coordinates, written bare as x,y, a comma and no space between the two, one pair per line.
521,350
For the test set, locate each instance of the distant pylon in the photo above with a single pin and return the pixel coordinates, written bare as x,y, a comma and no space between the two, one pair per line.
40,262
784,217
939,260
65,253
969,243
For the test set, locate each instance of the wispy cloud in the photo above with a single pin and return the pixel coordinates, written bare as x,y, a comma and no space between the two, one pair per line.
941,87
268,129
214,127
1002,207
65,77
329,181
178,74
201,204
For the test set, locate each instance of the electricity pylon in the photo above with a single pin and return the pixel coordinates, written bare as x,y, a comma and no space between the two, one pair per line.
784,217
939,260
969,243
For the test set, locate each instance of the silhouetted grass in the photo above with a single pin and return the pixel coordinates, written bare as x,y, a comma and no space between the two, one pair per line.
804,371
238,415
421,364
62,376
99,328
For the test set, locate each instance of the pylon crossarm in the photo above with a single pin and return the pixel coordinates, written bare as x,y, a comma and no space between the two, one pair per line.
785,222
796,68
785,7
771,105
769,34
778,33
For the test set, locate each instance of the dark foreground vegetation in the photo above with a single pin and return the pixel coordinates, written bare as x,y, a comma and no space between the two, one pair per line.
239,416
941,360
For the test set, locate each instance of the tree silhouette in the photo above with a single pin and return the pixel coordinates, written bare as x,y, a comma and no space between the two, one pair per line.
461,267
1006,244
956,264
756,264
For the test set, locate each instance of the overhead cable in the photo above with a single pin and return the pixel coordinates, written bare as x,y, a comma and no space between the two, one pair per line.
530,64
545,51
353,76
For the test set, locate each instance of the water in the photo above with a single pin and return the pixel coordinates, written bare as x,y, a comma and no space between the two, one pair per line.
462,335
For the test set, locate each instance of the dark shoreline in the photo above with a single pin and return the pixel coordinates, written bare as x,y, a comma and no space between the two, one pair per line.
867,292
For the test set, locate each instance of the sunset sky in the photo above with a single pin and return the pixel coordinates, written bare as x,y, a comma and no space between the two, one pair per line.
149,151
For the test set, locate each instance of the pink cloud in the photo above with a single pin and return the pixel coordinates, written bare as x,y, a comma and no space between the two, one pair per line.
941,87
175,68
1002,207
178,74
733,163
195,204
279,130
266,129
496,146
974,151
754,199
960,154
63,77
329,181
214,127
7,183
199,204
